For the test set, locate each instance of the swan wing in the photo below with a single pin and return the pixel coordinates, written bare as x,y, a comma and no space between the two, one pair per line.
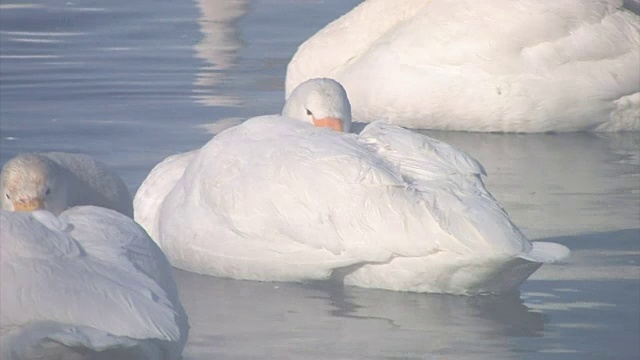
451,183
61,271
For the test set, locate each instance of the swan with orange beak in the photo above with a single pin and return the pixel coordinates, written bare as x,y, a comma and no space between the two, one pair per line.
277,199
321,103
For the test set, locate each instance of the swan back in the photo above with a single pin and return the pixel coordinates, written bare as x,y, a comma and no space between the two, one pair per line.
510,66
92,277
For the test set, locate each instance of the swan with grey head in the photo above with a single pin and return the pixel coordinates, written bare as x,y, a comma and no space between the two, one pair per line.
56,181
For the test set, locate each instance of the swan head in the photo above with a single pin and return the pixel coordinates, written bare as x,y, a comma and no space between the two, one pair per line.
32,182
322,102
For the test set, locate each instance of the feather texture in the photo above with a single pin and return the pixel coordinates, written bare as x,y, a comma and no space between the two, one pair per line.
280,200
87,281
503,65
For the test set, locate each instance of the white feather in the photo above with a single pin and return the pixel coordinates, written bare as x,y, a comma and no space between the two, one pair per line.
502,65
277,199
90,280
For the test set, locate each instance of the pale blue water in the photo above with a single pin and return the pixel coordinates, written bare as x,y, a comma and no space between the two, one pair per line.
133,82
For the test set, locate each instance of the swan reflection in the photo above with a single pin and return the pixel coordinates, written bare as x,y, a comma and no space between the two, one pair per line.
218,48
326,320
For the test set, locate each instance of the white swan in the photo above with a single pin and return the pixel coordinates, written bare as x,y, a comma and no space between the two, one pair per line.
89,284
500,65
278,199
57,181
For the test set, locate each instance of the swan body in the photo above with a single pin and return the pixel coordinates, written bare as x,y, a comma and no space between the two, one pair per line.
155,188
503,66
87,284
277,199
56,181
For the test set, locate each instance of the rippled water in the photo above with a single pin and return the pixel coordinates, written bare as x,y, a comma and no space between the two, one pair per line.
133,82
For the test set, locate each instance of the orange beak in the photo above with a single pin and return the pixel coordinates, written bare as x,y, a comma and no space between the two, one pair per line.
329,122
28,205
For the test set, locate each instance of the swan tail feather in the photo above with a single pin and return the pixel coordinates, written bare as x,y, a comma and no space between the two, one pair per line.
546,252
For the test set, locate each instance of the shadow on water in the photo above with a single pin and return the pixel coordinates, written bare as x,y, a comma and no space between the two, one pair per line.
325,319
506,313
633,6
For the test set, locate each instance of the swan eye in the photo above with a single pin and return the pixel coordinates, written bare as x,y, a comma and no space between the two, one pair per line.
8,197
309,112
48,191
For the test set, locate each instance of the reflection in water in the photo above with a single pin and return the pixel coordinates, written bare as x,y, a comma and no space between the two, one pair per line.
218,48
231,318
503,315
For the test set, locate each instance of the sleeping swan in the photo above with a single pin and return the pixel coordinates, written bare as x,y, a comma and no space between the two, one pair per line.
57,181
278,199
499,65
88,284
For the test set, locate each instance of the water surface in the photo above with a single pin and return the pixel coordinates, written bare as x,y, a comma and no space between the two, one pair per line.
133,82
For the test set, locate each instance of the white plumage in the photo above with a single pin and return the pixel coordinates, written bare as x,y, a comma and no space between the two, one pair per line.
278,199
89,284
57,181
502,65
